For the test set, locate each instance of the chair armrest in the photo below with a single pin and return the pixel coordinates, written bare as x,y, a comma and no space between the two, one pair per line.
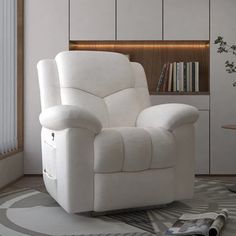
169,116
66,116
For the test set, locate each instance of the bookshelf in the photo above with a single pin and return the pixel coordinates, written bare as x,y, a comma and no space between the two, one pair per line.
154,54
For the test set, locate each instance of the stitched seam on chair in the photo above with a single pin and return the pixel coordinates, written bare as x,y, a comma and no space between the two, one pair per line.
123,150
121,90
150,163
168,129
97,97
141,109
136,171
80,90
95,94
108,116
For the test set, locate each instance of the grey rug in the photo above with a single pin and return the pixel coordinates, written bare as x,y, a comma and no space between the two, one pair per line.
29,212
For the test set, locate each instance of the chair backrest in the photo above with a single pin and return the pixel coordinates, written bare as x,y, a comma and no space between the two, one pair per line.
105,83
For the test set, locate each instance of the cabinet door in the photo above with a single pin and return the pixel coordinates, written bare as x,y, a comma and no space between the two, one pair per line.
223,94
92,20
202,143
186,19
139,19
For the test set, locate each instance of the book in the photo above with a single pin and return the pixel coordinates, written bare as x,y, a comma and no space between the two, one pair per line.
181,76
193,76
197,76
206,224
185,87
170,77
190,77
161,78
174,79
165,82
177,77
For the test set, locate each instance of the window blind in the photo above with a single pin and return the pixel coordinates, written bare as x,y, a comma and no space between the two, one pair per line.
8,78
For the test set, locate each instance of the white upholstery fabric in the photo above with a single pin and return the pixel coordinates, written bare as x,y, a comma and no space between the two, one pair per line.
163,148
185,163
103,146
123,108
137,149
73,187
143,98
117,86
81,99
169,116
110,73
49,83
139,74
133,149
65,116
108,151
133,189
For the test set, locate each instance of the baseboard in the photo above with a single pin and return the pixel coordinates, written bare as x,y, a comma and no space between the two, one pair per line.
33,175
215,175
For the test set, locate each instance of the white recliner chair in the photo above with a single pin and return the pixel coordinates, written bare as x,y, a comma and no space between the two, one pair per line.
103,146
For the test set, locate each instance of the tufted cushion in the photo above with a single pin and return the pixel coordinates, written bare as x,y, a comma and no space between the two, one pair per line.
98,73
131,149
123,107
104,83
94,104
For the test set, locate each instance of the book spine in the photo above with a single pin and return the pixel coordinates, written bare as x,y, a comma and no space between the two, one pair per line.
188,82
193,76
197,76
181,77
161,78
165,82
177,76
174,77
190,77
185,77
170,77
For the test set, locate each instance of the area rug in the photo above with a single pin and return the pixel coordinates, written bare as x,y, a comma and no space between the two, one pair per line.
30,212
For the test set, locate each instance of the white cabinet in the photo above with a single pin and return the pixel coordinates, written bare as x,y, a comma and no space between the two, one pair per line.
186,19
202,143
139,19
223,94
201,126
92,20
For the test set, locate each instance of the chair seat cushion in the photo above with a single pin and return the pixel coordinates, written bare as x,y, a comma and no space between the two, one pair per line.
132,149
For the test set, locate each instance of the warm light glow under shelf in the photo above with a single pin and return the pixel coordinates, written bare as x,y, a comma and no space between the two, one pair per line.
117,45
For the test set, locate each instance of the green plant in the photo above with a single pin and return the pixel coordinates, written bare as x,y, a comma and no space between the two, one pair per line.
224,47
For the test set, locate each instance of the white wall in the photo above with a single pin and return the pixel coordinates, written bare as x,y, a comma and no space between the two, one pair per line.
46,34
11,168
223,94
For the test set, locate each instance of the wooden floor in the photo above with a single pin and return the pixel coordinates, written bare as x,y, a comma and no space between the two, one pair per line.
36,182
